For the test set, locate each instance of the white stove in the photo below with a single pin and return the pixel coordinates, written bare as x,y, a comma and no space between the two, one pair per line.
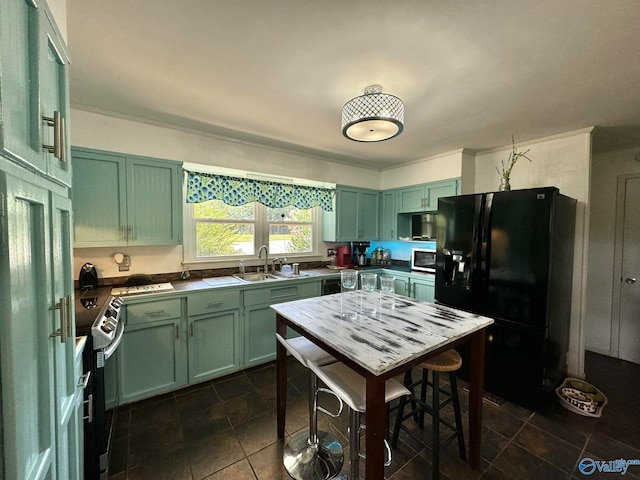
137,289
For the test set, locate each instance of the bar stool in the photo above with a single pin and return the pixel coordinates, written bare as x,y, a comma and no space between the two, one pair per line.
312,455
351,388
447,362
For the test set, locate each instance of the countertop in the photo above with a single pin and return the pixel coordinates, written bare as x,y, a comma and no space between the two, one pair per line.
386,339
228,281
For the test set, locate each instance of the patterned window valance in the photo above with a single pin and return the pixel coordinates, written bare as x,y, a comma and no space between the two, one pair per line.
237,191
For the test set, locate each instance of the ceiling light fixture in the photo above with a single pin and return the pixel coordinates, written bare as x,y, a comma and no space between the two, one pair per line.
373,117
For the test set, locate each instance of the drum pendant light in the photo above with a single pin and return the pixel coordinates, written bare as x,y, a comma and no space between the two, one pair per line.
373,117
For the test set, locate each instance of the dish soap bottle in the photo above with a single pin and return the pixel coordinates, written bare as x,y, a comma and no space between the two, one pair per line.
241,268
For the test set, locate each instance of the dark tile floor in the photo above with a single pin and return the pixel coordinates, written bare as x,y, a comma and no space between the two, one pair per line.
227,429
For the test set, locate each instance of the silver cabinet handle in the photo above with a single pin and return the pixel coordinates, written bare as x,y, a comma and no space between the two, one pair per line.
84,380
214,304
63,331
89,402
177,332
191,329
630,280
154,313
130,234
124,232
58,148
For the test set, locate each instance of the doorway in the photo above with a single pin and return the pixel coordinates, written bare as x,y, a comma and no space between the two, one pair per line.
625,334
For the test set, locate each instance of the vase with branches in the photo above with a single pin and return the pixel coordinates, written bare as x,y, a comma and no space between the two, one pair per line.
505,173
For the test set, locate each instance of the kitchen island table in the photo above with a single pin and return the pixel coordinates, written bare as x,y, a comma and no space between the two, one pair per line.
381,346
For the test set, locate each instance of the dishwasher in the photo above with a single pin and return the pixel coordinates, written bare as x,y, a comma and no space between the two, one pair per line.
330,285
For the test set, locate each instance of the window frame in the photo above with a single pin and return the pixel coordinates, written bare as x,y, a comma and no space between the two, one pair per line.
261,238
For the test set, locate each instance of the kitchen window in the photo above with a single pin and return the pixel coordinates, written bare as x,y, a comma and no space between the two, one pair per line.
215,231
228,217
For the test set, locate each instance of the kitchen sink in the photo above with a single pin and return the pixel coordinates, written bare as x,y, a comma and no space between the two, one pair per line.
256,277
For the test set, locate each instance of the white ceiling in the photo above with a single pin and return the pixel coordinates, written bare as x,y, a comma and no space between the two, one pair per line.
471,73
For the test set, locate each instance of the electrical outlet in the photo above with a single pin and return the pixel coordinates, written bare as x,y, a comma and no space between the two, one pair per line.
331,252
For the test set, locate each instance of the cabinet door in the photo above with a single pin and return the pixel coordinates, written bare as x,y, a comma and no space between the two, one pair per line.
214,345
260,335
388,216
347,214
64,352
26,348
436,190
153,202
99,199
410,199
19,83
423,289
151,360
54,97
402,284
369,216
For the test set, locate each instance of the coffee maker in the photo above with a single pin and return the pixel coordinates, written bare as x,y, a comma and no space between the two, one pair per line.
359,250
343,256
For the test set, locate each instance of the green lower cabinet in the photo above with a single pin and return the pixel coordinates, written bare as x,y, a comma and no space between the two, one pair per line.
214,334
260,319
402,284
423,288
151,359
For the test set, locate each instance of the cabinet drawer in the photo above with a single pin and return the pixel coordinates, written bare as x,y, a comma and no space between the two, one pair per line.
213,302
283,292
153,311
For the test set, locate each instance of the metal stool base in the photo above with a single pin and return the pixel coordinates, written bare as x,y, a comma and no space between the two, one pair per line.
304,461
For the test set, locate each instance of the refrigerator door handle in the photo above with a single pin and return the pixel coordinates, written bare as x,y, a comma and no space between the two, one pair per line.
485,221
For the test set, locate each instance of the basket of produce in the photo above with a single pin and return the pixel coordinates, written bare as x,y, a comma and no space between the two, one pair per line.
581,397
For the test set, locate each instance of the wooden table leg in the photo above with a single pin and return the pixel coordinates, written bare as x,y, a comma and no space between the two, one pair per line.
281,376
376,428
476,382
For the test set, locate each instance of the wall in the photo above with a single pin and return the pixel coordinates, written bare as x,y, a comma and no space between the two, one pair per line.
440,167
563,161
606,168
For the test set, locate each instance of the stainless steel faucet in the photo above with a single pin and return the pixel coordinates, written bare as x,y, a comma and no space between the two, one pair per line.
266,257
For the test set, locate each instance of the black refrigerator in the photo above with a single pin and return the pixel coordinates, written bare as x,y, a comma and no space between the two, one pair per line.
509,256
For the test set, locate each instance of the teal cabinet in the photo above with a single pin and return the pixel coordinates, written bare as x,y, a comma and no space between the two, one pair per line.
423,288
260,319
420,286
54,102
424,198
214,334
388,220
151,358
139,203
402,284
355,217
33,90
37,330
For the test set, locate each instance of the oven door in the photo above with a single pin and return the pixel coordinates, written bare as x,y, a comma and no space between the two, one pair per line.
423,260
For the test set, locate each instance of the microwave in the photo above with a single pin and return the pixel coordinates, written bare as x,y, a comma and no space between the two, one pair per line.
423,259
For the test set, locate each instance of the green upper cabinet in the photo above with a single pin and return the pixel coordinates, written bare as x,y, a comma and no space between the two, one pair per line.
355,216
34,100
424,198
54,103
387,215
125,200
